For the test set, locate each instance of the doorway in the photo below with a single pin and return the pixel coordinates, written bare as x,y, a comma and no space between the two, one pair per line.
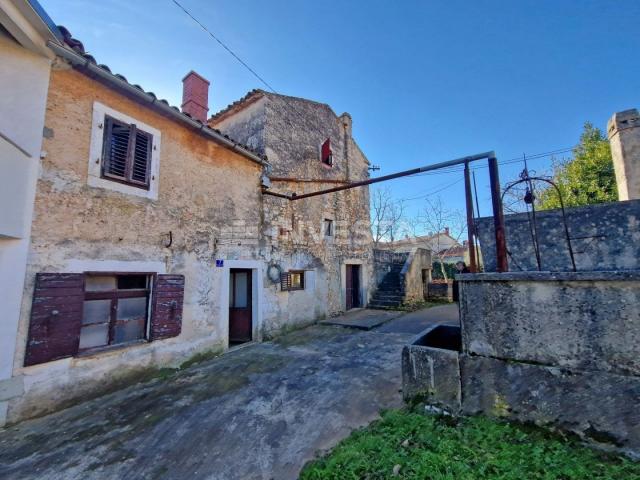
240,306
353,286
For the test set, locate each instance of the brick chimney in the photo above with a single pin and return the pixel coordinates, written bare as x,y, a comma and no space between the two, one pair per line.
446,230
195,96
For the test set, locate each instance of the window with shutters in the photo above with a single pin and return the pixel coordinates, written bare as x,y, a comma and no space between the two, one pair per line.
74,313
292,280
115,310
124,153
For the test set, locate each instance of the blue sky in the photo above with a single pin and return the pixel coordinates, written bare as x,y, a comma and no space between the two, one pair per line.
425,81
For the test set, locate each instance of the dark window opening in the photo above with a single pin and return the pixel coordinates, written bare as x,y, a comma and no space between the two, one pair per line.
326,154
115,310
126,153
328,227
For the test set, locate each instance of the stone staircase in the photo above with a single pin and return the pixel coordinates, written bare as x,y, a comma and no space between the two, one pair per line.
390,292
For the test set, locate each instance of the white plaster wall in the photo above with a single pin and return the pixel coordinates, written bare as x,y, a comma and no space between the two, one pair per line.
26,76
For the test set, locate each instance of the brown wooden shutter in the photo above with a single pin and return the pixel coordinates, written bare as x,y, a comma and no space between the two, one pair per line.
285,281
56,317
166,309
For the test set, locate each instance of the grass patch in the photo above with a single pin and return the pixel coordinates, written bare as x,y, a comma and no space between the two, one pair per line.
415,446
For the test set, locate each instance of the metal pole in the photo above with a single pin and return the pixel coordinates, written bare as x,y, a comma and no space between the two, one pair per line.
498,217
470,223
405,173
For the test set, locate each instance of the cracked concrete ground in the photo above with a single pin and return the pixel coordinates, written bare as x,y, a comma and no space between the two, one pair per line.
259,412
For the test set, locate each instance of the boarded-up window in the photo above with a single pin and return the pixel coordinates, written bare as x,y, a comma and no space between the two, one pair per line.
126,153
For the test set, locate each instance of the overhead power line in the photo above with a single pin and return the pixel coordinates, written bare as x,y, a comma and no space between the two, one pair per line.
223,45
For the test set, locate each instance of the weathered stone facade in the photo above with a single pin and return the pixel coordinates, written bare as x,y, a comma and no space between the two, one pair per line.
203,215
290,132
205,191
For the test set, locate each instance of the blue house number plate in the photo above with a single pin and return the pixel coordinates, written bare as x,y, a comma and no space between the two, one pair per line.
219,263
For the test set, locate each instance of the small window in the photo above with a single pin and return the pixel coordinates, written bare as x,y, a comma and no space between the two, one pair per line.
328,227
326,154
293,280
115,310
126,156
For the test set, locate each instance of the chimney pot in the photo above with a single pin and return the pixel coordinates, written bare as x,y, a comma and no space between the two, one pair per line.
195,96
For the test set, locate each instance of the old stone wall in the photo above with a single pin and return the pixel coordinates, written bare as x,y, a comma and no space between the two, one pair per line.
209,199
290,132
558,349
419,259
603,237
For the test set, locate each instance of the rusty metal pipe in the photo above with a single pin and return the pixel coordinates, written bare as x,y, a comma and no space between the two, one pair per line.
405,173
470,222
498,216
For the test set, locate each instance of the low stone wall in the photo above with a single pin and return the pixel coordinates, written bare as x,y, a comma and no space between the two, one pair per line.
418,260
603,237
440,291
556,349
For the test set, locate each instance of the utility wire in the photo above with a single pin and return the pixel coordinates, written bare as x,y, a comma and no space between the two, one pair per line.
242,62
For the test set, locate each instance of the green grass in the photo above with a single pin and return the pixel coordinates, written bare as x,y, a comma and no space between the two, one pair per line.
433,447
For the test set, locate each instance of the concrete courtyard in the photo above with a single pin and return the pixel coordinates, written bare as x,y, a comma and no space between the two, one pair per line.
259,412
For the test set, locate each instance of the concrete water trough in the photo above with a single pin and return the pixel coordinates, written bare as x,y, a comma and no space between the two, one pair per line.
431,367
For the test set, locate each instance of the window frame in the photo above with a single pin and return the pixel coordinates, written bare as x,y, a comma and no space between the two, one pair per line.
328,222
114,296
134,130
329,160
301,274
96,154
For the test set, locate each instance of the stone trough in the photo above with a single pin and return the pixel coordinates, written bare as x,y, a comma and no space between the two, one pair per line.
556,349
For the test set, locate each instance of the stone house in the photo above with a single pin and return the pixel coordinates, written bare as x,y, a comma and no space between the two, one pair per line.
152,239
327,237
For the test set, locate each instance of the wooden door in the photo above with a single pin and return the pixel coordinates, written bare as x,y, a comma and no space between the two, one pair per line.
240,311
352,286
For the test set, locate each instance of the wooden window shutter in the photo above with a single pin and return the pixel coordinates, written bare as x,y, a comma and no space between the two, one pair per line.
127,153
285,281
327,155
166,309
56,317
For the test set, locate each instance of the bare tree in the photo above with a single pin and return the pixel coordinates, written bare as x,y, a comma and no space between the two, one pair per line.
386,214
444,222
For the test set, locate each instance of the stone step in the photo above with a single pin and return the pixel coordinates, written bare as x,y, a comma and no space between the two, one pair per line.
384,303
388,296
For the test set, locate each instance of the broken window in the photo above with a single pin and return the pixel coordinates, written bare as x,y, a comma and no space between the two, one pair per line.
126,155
328,227
115,310
292,280
326,154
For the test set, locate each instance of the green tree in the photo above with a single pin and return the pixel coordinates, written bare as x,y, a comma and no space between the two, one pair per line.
585,179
